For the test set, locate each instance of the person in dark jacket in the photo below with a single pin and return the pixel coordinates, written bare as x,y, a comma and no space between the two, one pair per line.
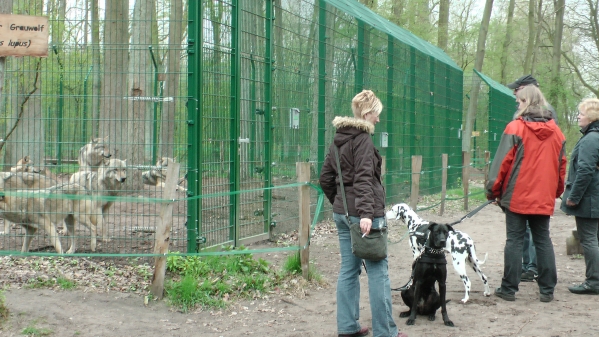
526,176
529,253
581,196
360,164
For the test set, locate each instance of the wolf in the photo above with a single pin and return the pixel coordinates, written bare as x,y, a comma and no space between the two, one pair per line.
25,164
92,154
107,181
44,208
157,175
21,181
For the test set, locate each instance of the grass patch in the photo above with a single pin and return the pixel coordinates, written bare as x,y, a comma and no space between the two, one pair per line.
4,312
216,281
474,194
32,331
293,265
40,282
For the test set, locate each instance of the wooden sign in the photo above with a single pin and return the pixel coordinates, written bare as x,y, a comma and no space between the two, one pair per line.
23,35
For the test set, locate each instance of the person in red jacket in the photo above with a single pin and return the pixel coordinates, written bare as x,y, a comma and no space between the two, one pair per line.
526,176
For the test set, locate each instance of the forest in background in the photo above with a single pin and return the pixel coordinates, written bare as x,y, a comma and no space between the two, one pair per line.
556,41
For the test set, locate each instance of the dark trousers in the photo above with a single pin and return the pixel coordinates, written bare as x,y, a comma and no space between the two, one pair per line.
512,255
588,233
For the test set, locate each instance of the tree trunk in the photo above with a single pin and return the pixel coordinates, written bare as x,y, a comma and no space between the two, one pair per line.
507,41
5,8
556,84
397,8
173,70
141,84
443,32
531,37
114,115
24,131
538,37
478,65
96,71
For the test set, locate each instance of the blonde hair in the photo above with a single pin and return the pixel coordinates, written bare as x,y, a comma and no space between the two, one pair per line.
365,102
533,100
591,108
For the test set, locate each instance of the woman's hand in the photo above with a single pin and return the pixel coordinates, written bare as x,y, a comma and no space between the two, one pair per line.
569,203
365,225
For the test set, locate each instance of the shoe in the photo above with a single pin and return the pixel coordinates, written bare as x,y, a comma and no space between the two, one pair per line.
363,332
508,297
546,297
529,276
401,334
583,289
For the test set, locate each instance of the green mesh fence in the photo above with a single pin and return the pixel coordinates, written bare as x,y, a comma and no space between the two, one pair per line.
237,91
501,108
495,108
115,70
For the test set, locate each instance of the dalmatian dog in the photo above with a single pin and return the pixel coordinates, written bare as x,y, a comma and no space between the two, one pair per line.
459,244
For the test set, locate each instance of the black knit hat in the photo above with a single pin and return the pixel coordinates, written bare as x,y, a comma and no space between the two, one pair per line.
522,81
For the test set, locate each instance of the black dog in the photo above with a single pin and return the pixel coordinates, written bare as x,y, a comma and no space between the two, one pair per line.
422,298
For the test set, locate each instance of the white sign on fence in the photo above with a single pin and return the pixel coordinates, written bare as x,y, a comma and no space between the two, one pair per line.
149,98
23,35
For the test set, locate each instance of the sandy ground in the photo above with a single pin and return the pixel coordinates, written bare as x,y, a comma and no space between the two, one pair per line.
312,313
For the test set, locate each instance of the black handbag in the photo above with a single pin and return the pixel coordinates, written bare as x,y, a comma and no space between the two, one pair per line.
371,247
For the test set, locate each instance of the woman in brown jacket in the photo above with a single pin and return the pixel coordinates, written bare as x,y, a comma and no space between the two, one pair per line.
360,164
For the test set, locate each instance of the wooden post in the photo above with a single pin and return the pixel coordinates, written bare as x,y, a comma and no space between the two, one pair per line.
416,168
444,160
303,175
487,165
465,176
163,230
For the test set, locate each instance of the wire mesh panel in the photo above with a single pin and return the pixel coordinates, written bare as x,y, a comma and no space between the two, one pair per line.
106,110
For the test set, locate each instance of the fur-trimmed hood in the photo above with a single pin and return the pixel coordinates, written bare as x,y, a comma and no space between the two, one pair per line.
362,124
349,128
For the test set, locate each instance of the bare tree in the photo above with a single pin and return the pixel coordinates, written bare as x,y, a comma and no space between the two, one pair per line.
175,37
113,116
478,65
141,80
96,59
24,133
507,40
443,30
583,56
556,82
531,36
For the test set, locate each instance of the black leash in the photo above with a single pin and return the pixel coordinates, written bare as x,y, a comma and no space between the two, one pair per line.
474,211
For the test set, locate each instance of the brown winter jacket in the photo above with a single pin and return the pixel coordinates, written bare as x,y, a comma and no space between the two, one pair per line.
361,169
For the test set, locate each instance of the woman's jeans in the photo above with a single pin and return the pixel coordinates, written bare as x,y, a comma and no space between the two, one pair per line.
588,233
512,254
348,286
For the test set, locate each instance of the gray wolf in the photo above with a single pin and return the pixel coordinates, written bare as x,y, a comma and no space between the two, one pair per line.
92,154
108,181
43,208
21,181
25,164
431,267
459,244
157,175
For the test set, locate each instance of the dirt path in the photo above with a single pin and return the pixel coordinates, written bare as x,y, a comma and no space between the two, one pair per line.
311,312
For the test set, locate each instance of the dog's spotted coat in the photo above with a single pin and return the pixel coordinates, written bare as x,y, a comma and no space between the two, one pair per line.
459,245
